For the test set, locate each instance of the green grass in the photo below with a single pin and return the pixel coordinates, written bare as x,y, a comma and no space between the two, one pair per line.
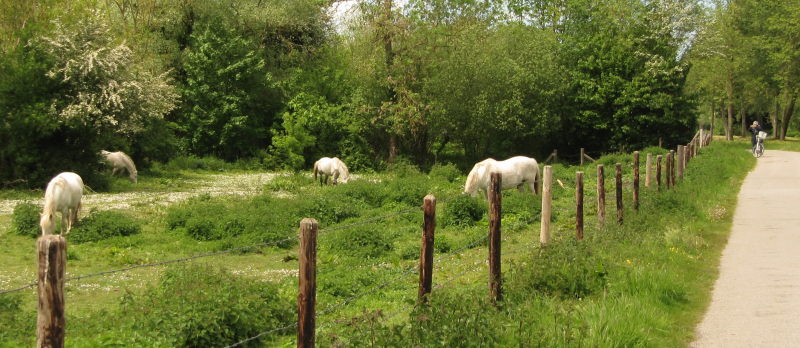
644,283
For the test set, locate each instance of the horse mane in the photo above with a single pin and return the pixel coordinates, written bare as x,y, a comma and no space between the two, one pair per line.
49,193
128,163
343,168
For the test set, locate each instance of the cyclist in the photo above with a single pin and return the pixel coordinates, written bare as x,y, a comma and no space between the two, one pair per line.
754,129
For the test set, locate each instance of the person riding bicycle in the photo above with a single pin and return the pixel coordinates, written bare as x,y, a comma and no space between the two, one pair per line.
754,129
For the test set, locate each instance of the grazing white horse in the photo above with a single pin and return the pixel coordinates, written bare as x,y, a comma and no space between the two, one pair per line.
63,195
120,161
331,167
515,172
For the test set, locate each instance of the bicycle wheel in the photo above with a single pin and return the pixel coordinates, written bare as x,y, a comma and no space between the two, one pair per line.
759,150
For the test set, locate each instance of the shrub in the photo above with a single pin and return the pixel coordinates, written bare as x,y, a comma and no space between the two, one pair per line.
567,269
103,225
214,308
409,190
329,210
363,241
463,210
25,219
447,172
371,193
290,183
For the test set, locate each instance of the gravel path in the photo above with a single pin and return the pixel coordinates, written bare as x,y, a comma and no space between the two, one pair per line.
214,184
756,300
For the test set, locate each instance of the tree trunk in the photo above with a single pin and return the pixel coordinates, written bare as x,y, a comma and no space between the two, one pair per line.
743,119
787,115
392,148
729,124
776,125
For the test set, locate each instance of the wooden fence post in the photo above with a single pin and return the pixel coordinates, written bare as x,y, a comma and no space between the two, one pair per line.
648,170
547,200
668,170
672,167
555,156
426,251
680,161
583,153
306,299
601,194
50,321
658,172
636,180
495,218
579,205
618,168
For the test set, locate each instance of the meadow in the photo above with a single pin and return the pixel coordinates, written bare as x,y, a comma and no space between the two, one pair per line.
643,283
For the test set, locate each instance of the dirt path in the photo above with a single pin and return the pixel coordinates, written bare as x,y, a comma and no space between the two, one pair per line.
213,184
756,300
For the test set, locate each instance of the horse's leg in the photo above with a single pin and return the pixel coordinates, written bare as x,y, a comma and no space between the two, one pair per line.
335,178
65,222
532,185
114,171
520,188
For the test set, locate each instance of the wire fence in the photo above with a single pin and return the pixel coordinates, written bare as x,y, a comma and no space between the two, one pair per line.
226,251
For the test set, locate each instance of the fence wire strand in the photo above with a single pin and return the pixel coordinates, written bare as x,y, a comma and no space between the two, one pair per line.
215,253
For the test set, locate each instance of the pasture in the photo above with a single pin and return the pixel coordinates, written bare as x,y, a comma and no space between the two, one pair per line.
642,283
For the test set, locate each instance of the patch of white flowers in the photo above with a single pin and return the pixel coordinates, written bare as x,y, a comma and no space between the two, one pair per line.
103,86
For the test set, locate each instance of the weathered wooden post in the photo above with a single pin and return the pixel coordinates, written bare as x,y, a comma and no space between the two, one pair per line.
426,252
306,299
50,322
579,205
547,200
680,161
495,216
601,194
618,168
636,180
583,154
668,170
672,165
648,170
658,172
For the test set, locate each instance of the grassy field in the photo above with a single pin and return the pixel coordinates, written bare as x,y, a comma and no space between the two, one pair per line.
644,283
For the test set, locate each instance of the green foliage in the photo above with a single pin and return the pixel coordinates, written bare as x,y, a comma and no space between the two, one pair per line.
288,183
212,307
103,225
566,269
463,210
14,320
226,94
447,172
361,241
25,219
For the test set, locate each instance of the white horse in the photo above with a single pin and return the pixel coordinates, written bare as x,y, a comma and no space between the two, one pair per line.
515,172
63,195
331,167
120,161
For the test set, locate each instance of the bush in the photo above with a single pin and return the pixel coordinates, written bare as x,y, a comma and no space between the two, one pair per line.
329,210
213,308
567,269
371,193
363,241
463,210
409,190
447,172
104,225
196,163
25,219
290,183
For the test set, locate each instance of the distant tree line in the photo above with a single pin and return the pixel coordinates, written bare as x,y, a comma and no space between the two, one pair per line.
281,83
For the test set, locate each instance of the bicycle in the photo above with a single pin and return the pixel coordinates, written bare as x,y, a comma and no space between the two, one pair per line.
758,148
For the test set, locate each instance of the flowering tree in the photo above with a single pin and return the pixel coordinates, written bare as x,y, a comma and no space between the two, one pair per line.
101,85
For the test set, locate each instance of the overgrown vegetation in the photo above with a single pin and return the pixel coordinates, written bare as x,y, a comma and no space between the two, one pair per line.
103,225
640,284
25,219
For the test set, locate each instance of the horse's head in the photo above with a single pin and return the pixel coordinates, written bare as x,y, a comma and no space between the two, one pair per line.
134,177
46,223
471,186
